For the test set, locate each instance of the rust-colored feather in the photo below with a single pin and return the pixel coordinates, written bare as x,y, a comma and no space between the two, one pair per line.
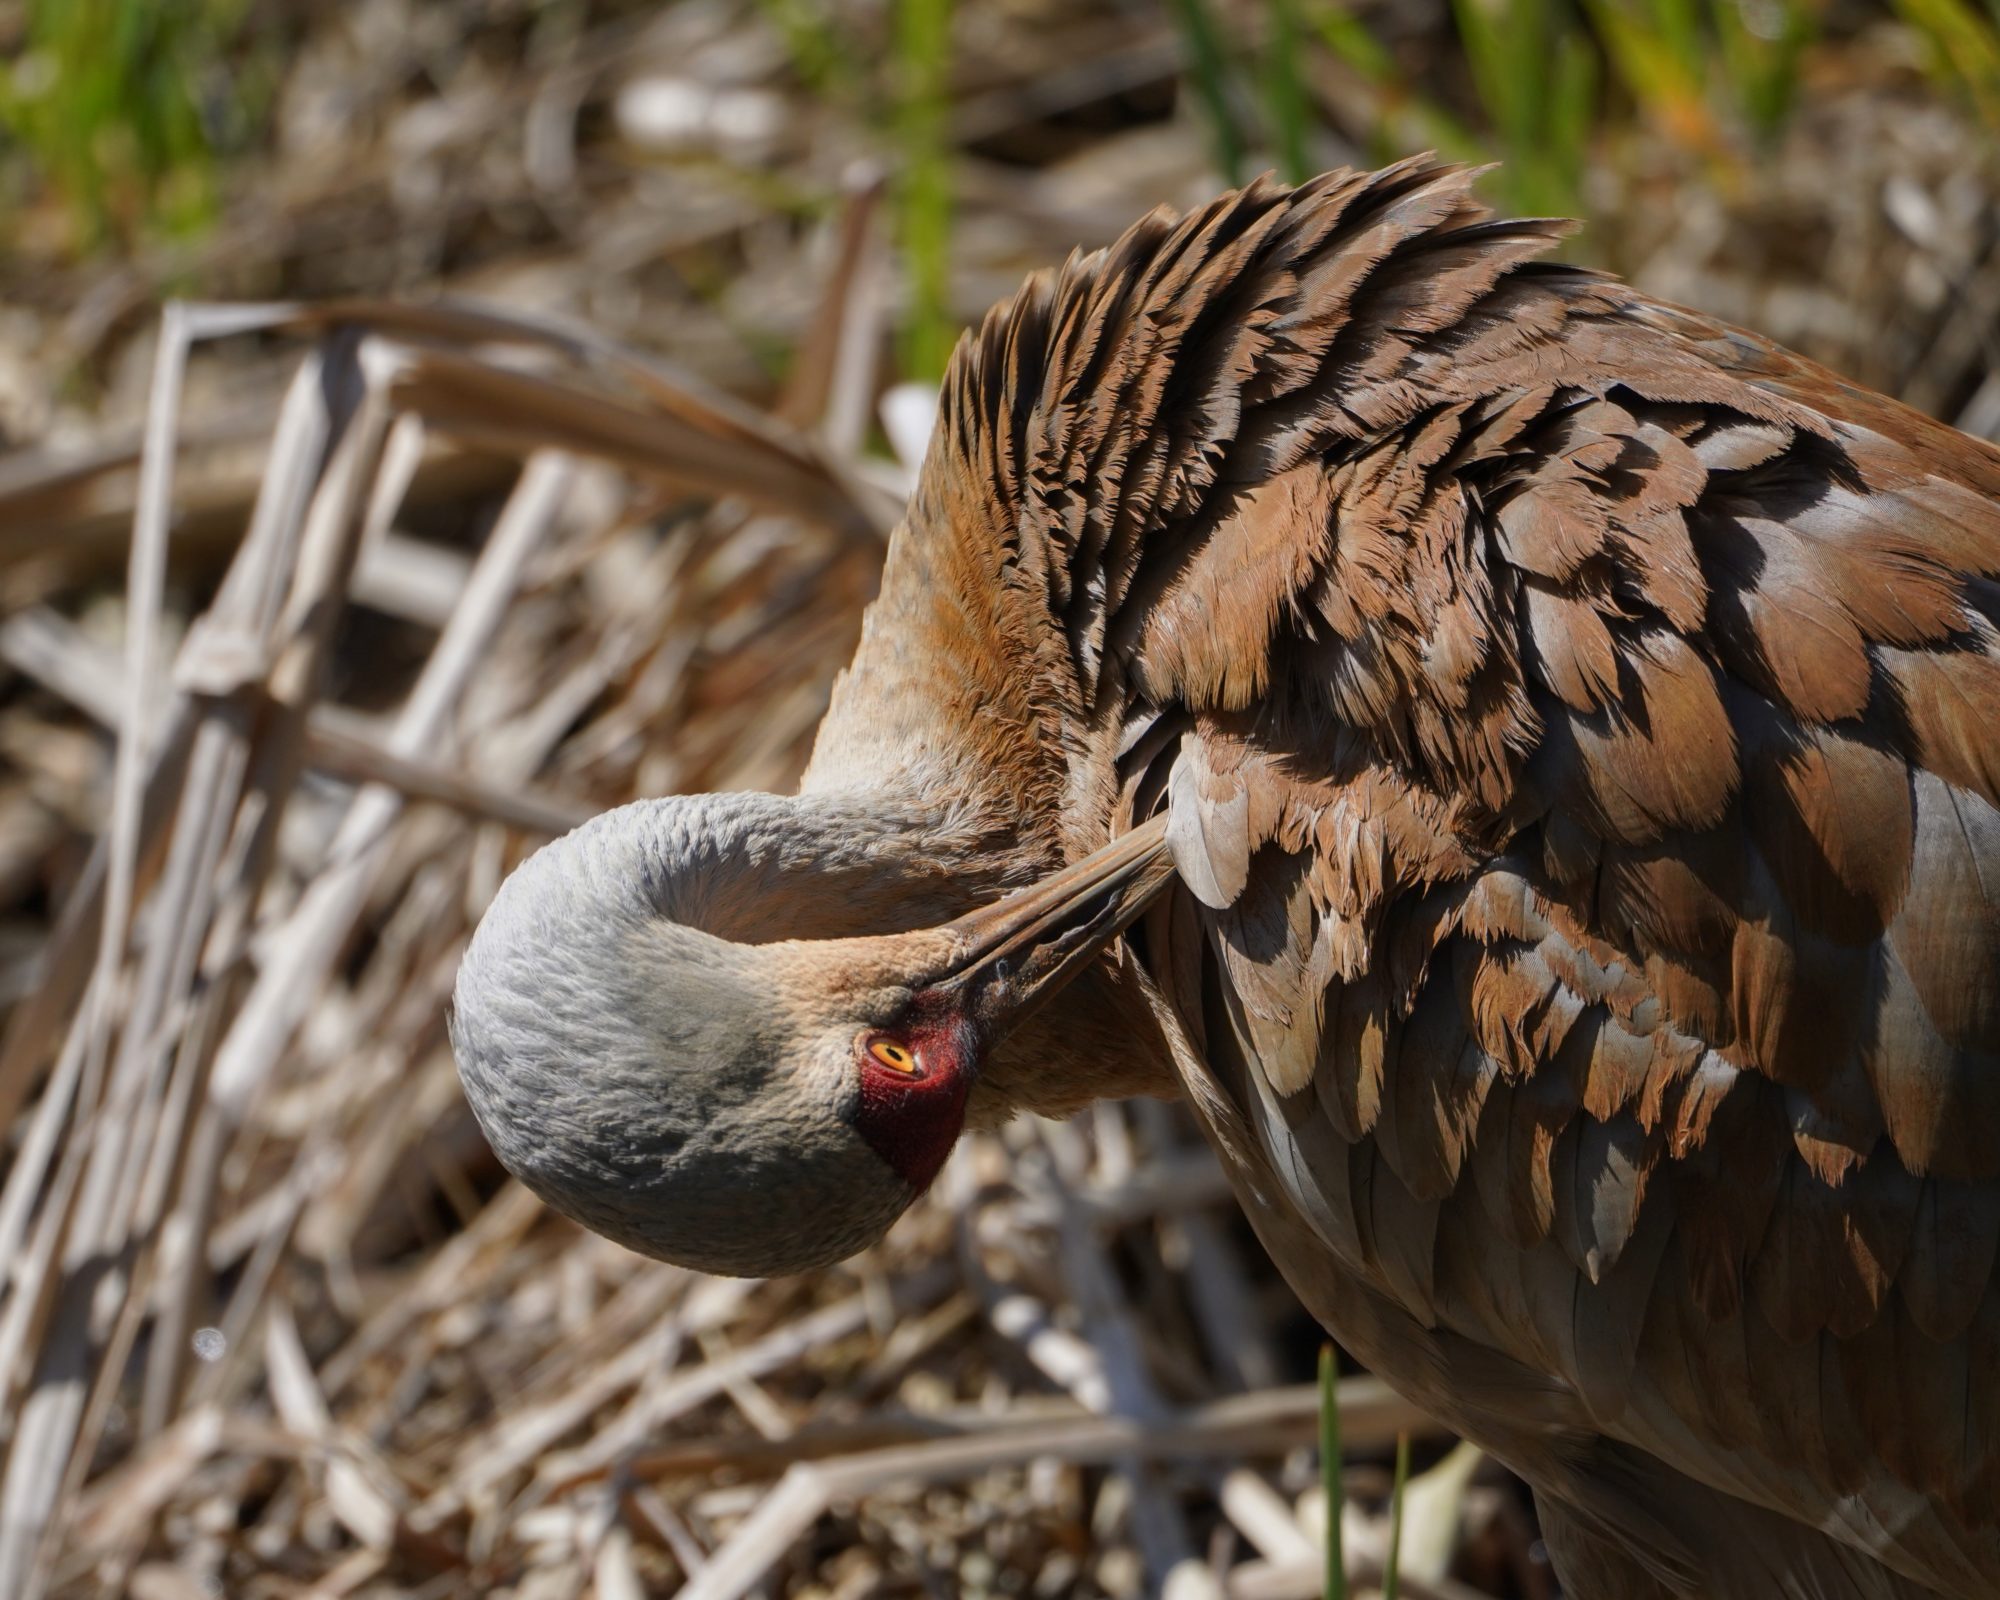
1579,727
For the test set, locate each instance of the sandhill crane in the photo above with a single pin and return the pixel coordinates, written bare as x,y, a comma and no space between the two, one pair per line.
1519,758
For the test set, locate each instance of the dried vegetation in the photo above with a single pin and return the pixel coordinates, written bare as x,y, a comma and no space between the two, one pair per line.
318,615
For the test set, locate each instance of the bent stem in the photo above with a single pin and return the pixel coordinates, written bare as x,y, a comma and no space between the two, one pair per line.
1392,1559
1329,1469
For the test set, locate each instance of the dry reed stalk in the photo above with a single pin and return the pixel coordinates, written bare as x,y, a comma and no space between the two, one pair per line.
153,1056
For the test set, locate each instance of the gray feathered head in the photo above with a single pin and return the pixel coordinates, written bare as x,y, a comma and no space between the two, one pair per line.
653,1042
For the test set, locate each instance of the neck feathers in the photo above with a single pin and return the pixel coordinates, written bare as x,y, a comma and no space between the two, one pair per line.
759,868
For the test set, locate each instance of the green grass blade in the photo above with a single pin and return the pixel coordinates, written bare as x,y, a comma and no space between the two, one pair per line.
1964,49
1677,28
1405,116
1762,63
923,196
1349,38
1651,60
1536,80
1572,109
1394,1558
1210,70
1329,1470
1285,91
124,107
1483,29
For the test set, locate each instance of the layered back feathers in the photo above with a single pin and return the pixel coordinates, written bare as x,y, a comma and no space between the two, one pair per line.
1580,723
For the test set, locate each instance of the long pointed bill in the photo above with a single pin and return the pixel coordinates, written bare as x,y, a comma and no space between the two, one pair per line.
1020,951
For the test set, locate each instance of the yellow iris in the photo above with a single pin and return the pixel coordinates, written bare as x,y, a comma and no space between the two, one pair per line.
898,1058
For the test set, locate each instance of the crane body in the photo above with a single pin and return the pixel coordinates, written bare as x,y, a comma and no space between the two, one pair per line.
1520,759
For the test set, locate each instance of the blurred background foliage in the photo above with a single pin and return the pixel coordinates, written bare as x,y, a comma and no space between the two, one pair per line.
130,125
119,112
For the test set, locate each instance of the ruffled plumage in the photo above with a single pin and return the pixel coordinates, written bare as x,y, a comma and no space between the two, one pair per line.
1581,726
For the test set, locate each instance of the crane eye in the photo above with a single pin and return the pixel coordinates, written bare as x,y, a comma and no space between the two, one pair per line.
896,1057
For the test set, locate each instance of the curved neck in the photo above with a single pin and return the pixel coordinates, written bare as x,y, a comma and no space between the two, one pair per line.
758,868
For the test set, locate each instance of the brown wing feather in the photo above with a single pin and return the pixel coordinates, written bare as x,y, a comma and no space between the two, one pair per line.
1584,758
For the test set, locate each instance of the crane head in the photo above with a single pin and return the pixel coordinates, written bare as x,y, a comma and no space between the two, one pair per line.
741,1107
